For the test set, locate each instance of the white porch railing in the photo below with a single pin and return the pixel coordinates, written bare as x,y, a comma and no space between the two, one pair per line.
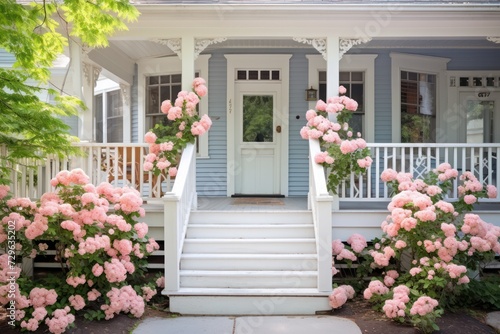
320,203
178,205
418,159
118,164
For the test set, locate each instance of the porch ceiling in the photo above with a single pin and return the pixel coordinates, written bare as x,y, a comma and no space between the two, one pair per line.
141,49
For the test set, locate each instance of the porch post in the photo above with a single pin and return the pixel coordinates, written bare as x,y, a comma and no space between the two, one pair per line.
332,82
125,93
332,65
187,58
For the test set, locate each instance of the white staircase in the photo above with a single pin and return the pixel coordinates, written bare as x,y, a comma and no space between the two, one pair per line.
249,263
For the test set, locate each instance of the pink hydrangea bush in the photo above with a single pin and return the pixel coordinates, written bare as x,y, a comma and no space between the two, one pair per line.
100,244
181,125
343,152
428,247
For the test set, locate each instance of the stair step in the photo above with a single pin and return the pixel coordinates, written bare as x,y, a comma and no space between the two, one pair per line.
251,217
248,279
250,231
248,302
250,246
249,262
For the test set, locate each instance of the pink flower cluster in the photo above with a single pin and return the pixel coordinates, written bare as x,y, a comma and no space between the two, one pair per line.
66,178
375,287
41,297
357,242
423,306
125,300
61,319
183,117
340,295
396,307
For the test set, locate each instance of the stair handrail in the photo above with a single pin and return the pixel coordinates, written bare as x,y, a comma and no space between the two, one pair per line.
178,204
320,203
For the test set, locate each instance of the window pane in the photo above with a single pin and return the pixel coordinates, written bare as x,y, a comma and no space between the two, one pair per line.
276,75
153,80
257,118
265,75
464,82
176,78
344,76
114,104
115,130
357,76
480,121
153,105
253,75
165,79
322,76
242,75
164,94
357,93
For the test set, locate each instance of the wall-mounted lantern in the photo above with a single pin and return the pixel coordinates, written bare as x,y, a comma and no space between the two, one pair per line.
311,94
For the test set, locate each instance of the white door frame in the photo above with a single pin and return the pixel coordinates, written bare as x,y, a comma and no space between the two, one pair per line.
483,94
258,61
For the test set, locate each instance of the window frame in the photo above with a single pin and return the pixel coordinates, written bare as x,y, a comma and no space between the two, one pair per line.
351,63
419,64
111,89
166,66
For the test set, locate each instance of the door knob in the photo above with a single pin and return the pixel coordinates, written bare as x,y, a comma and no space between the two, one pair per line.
278,129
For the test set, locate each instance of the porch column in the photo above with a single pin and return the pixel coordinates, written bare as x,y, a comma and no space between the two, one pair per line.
332,66
85,75
125,93
332,83
187,58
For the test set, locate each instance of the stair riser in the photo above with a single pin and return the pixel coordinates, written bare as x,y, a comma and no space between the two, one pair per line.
268,231
254,217
246,264
248,247
286,280
248,305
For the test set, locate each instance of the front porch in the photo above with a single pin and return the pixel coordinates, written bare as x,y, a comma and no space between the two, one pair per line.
228,255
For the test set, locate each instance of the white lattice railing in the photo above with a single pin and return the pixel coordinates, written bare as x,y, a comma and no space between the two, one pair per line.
418,159
320,203
178,205
118,164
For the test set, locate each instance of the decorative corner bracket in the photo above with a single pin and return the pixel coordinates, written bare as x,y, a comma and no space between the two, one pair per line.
345,44
493,39
91,73
202,44
173,44
318,43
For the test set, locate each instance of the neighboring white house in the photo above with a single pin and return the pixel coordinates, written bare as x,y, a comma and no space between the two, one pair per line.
423,72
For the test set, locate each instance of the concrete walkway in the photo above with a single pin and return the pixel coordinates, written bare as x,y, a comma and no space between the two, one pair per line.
248,325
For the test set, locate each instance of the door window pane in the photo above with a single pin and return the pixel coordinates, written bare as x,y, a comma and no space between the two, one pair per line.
257,118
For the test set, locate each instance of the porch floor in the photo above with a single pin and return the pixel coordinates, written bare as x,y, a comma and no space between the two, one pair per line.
298,203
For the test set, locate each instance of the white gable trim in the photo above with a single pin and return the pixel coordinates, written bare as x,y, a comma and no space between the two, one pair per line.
169,65
365,63
416,63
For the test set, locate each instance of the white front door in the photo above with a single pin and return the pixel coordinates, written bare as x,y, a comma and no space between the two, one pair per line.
258,138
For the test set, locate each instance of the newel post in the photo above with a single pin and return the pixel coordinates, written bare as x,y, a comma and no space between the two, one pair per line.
171,239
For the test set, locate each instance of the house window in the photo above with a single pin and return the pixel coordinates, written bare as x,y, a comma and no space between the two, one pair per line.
354,82
158,89
418,107
108,113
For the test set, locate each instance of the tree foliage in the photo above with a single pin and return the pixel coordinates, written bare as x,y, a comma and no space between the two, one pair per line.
36,34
